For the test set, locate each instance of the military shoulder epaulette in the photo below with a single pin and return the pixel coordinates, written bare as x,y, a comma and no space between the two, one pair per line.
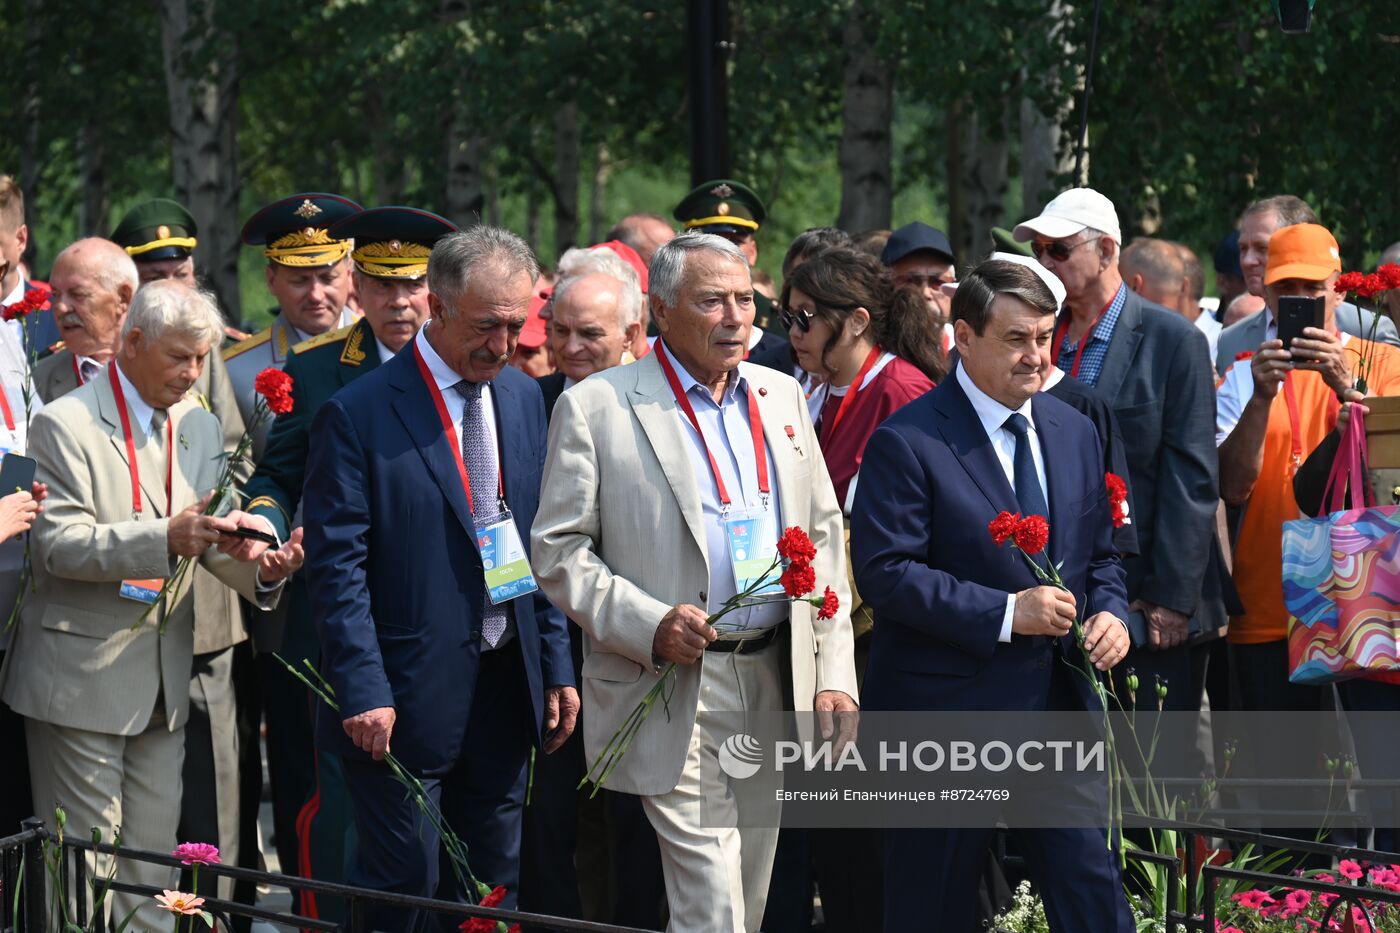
50,351
243,346
320,340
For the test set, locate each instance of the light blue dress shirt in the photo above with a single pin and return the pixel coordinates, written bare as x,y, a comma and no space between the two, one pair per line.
726,427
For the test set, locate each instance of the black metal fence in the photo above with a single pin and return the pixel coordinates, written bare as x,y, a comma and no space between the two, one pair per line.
26,884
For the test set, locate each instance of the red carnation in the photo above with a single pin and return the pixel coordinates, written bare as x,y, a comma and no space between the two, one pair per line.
1371,286
798,580
1003,527
828,603
1117,498
1390,274
1032,534
481,924
35,299
794,546
1349,282
276,387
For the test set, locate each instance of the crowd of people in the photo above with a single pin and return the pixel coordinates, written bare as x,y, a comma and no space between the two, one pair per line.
503,501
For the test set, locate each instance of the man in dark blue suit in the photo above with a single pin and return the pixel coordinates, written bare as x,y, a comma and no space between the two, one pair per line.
962,624
420,474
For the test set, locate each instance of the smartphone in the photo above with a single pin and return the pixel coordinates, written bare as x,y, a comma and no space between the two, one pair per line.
254,534
16,474
1295,313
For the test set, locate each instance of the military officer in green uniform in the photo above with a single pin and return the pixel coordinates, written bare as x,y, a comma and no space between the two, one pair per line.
730,209
308,273
392,245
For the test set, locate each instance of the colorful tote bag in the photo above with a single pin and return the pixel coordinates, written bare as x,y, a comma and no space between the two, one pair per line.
1341,578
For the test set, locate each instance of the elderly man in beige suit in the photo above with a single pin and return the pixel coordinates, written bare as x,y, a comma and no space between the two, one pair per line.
94,281
105,694
647,465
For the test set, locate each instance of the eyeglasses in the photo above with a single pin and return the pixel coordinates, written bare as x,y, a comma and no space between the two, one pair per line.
1058,250
801,318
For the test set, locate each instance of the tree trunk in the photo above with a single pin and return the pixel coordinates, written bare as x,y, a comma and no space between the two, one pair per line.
464,199
977,180
1047,151
566,166
598,195
868,101
532,217
386,153
30,163
201,79
92,182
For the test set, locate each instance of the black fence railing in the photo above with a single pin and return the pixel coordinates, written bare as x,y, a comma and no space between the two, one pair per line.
27,884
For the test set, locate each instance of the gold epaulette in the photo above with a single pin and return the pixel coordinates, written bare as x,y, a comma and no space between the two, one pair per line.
243,346
320,340
51,351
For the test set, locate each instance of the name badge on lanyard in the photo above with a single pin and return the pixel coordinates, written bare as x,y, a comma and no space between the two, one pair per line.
503,561
142,591
751,533
753,544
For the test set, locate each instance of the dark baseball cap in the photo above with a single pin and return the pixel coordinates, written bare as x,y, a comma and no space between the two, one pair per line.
911,238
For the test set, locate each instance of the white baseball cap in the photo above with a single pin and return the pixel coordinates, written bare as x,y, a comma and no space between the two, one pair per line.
1052,282
1070,212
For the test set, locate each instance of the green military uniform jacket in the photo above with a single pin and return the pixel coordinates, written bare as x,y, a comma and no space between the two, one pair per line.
267,348
319,368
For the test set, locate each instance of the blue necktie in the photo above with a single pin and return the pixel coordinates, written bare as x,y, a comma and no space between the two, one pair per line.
1028,493
479,455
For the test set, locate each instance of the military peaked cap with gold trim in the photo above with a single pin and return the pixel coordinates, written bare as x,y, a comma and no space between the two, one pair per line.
721,206
156,229
393,242
295,230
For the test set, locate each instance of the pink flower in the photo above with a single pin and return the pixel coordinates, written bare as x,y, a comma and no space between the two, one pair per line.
196,853
1254,899
179,903
1297,900
1349,869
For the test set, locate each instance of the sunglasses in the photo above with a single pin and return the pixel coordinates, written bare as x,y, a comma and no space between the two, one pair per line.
1058,250
802,319
915,280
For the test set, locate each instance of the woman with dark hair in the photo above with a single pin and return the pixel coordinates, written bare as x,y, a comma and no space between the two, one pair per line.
875,344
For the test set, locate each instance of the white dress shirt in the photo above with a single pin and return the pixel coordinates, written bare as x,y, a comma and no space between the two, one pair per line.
993,415
141,410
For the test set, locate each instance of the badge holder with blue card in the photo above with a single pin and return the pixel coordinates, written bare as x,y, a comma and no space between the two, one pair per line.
503,560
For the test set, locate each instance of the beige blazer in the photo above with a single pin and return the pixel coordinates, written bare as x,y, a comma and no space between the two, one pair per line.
75,660
218,621
619,539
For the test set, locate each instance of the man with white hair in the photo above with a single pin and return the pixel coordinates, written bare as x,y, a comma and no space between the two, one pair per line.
597,316
100,667
94,281
641,579
1155,367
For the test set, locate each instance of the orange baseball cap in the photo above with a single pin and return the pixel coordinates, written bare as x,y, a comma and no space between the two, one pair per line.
1302,251
534,333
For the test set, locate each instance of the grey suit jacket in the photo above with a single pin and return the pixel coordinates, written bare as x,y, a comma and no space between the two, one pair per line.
76,660
218,621
1157,376
1246,336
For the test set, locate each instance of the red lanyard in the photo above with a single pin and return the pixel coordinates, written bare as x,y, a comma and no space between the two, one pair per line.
5,410
760,455
451,431
1062,334
76,370
1295,421
131,444
852,392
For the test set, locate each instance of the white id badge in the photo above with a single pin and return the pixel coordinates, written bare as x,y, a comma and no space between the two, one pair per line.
503,561
753,545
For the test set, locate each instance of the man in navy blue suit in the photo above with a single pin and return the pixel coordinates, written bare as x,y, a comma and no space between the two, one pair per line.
962,624
421,474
